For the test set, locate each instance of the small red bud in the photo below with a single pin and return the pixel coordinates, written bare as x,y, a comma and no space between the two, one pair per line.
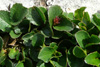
56,20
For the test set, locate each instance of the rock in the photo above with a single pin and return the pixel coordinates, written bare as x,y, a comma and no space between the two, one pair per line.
66,5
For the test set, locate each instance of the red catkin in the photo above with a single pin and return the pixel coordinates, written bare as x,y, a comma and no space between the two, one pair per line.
56,20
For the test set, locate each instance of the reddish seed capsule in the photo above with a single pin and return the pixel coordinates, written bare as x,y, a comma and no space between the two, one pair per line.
56,20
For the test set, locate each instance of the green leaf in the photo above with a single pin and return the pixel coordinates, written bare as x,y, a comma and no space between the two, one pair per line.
57,34
69,15
13,53
54,45
14,35
96,20
44,10
28,38
82,26
93,40
93,30
41,65
2,55
80,36
61,60
19,55
75,21
93,58
46,31
24,26
5,21
37,40
79,52
34,52
86,18
64,25
1,43
17,30
53,12
8,63
20,64
17,13
79,13
55,64
27,63
36,16
46,54
74,61
87,21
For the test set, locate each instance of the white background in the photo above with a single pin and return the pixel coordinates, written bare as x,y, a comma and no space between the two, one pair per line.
93,6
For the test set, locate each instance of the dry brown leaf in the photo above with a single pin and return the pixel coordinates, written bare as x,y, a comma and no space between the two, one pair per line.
12,43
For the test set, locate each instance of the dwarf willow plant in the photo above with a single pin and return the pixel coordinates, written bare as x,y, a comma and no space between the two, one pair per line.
37,37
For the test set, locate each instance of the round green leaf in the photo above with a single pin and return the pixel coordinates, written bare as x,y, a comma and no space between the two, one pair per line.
79,13
37,40
96,20
17,13
13,53
69,15
36,16
22,27
74,61
28,38
79,52
86,18
93,58
46,54
5,21
17,30
80,36
93,40
53,12
14,35
64,25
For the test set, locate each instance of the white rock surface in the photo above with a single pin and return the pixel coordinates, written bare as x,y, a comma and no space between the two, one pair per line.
93,6
27,3
67,5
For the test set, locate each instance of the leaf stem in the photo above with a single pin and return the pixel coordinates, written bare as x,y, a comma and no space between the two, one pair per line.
29,27
52,63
